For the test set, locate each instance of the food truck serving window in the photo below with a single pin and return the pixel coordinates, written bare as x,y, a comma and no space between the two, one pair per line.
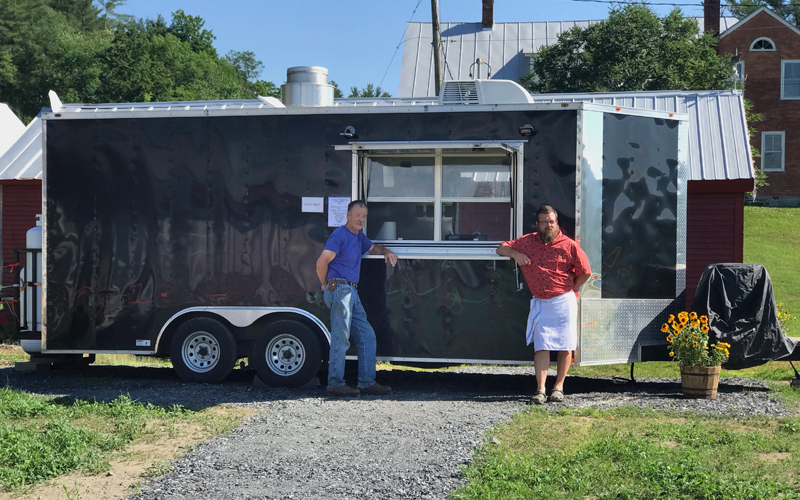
459,194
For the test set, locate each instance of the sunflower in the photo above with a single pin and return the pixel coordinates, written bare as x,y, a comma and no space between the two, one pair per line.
694,324
671,318
704,319
669,338
692,315
695,336
694,344
704,328
665,328
683,316
671,354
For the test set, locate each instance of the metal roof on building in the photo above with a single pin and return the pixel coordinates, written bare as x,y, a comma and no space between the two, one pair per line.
506,48
719,145
11,128
23,160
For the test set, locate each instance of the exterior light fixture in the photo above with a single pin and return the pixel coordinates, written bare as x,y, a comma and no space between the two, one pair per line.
349,132
527,130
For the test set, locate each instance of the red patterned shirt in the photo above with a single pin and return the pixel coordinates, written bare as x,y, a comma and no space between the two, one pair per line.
553,266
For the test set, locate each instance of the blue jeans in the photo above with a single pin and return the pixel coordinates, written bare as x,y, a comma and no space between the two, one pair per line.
349,318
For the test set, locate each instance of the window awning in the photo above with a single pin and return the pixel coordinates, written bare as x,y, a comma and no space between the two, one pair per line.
508,146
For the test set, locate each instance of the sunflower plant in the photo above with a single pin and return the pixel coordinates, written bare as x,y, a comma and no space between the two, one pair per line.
688,337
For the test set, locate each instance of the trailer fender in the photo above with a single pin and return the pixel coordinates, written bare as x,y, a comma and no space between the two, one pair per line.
242,317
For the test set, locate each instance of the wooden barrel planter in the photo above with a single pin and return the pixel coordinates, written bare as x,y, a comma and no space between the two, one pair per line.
700,382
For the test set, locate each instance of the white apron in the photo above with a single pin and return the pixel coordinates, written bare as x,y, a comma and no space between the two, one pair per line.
553,323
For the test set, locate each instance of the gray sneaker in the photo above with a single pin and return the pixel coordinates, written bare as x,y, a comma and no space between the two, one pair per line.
343,391
376,389
539,398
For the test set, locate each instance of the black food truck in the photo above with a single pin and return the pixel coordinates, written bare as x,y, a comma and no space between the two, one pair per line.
190,230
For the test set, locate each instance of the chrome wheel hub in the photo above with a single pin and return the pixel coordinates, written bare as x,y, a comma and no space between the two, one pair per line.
285,355
200,352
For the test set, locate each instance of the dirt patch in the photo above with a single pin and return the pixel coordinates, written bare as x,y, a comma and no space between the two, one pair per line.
148,456
773,458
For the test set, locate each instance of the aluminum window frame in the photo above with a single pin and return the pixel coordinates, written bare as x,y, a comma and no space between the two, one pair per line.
439,248
783,151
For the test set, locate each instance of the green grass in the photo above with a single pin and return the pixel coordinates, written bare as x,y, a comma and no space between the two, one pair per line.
772,239
9,355
629,453
41,438
773,371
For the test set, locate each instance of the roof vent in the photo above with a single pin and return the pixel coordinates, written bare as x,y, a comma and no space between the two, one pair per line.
306,86
459,93
483,92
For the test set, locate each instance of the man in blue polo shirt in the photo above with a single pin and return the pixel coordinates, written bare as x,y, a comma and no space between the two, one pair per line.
338,269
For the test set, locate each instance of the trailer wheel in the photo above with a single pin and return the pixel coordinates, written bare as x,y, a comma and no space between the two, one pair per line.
286,354
203,350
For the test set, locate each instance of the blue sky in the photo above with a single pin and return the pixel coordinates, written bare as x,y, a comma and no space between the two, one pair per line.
354,39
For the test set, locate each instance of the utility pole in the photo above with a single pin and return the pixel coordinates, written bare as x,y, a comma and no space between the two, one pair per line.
437,46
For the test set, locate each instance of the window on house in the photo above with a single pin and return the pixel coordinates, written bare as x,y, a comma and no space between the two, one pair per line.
772,151
531,60
762,44
740,74
790,79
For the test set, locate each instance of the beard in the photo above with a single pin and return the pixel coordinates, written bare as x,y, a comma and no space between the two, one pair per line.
548,235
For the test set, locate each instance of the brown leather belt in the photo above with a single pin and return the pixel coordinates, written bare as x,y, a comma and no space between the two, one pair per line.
332,282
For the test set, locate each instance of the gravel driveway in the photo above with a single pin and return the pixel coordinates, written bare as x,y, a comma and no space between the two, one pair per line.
411,444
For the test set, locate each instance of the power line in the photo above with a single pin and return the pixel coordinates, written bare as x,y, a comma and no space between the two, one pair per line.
402,41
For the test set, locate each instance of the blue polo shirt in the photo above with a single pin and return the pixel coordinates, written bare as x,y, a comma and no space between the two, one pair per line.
348,248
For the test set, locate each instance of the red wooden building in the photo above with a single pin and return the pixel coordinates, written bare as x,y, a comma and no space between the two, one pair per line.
20,198
768,48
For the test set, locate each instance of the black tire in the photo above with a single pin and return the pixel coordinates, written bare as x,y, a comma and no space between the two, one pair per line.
203,350
286,354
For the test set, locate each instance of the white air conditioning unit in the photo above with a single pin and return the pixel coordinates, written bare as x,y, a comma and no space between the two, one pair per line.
483,92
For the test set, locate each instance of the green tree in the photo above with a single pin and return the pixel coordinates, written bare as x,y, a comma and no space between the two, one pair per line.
266,89
89,54
109,15
245,63
82,12
28,35
369,91
632,50
190,29
787,9
337,92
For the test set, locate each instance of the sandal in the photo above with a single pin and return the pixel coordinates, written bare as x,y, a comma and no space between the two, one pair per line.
556,396
539,398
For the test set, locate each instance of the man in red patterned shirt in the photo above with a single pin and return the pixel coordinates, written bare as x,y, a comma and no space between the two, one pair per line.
555,268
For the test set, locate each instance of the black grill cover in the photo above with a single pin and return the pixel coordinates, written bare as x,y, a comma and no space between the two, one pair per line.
740,305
